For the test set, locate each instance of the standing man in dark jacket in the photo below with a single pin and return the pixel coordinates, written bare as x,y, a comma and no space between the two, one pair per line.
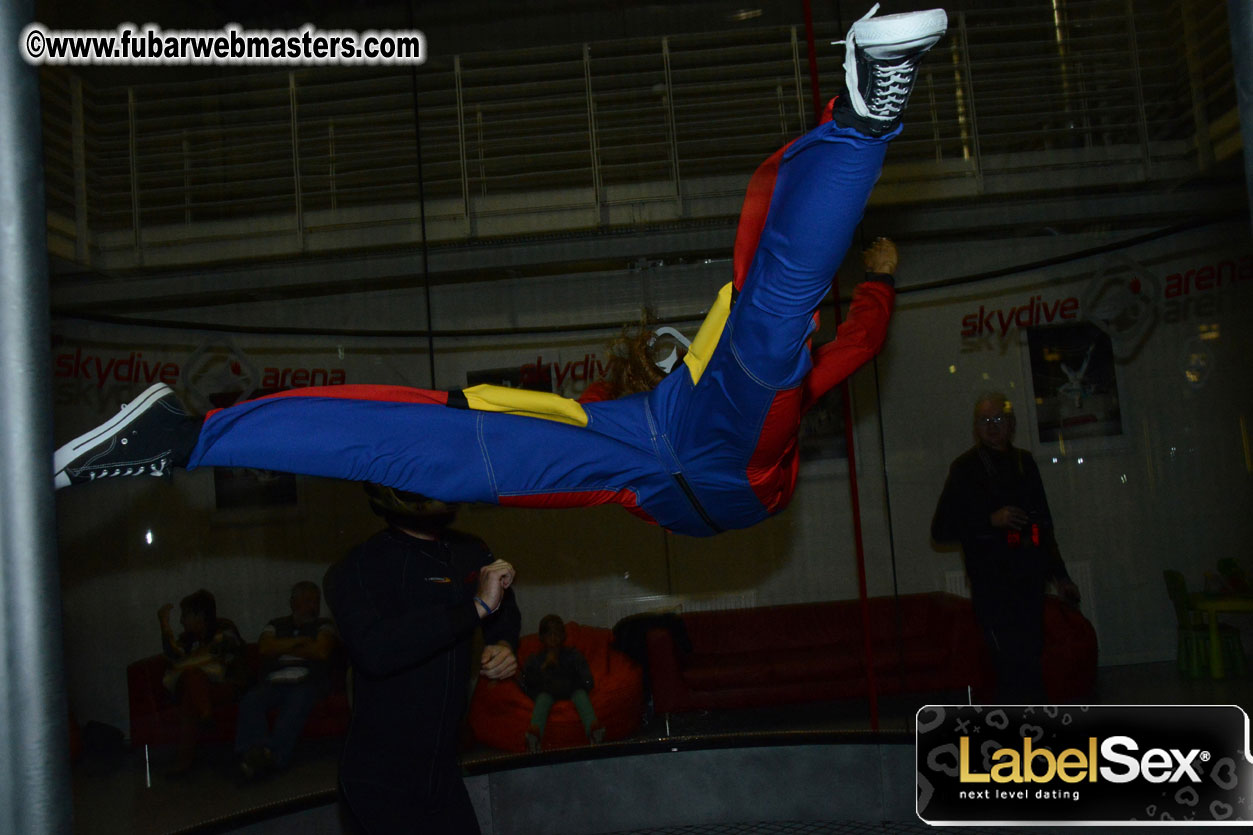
993,503
407,602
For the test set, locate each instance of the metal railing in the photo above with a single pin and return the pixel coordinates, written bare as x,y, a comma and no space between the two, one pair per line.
1090,92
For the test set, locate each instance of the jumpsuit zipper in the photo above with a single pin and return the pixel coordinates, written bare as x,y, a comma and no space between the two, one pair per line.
696,505
661,445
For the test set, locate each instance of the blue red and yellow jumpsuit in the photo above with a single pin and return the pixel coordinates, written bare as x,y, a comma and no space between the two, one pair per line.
711,448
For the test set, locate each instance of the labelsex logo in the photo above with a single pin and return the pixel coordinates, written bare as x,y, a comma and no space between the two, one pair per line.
1040,765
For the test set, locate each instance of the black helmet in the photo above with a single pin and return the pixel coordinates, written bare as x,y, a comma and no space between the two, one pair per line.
406,509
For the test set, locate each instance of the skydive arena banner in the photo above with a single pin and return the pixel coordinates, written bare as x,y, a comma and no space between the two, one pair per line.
1090,765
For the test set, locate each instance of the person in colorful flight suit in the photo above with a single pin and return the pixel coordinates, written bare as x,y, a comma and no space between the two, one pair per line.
712,447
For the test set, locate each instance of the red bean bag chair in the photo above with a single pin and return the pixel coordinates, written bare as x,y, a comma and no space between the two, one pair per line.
500,712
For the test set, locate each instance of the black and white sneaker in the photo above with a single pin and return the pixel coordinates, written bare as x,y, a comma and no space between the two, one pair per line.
881,56
149,436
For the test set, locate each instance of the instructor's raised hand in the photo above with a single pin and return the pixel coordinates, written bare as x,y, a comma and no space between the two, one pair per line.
494,578
880,257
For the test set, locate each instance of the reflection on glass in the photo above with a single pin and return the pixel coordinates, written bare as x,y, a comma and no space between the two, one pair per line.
246,225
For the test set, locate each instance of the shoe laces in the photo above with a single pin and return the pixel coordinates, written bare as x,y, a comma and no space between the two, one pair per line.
153,468
890,83
859,104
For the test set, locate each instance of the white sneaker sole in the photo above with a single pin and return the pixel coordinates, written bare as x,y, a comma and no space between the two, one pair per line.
65,456
906,31
888,38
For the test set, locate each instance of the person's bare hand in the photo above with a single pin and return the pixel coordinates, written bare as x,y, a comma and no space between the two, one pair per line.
1009,517
163,614
498,662
880,257
493,580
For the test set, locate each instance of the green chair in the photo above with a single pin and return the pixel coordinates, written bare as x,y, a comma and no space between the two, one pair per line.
1193,648
1192,654
1235,581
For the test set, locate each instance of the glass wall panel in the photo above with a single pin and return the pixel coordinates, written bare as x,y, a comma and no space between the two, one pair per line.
1071,233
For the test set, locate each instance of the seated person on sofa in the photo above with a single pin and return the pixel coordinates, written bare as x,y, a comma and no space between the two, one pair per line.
294,651
558,672
206,667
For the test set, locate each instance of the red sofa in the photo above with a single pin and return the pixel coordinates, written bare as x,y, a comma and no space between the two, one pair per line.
814,652
500,712
155,718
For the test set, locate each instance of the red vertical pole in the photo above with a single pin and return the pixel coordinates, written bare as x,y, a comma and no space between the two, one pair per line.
872,686
813,62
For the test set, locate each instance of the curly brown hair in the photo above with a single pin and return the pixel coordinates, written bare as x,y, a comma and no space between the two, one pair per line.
631,367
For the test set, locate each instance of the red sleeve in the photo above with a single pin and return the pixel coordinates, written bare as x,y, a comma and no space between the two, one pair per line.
857,340
756,207
753,215
596,392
